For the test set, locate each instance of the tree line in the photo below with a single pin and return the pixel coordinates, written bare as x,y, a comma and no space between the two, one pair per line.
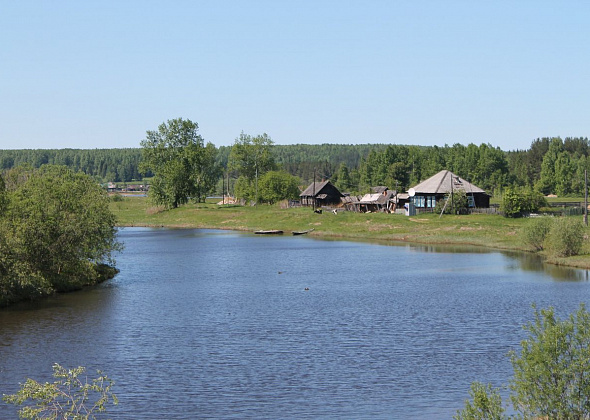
550,166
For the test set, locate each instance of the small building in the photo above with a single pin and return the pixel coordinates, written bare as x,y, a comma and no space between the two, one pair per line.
320,194
426,194
381,200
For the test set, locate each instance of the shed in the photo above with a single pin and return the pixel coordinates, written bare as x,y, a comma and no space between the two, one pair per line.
427,193
379,201
320,194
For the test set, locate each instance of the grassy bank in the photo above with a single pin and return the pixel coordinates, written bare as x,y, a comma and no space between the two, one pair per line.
479,230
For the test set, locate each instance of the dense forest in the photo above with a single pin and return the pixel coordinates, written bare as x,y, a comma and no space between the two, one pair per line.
549,165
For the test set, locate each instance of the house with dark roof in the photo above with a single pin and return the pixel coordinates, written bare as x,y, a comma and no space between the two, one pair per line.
426,194
320,194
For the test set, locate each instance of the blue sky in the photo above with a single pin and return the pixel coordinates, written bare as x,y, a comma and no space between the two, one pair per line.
98,74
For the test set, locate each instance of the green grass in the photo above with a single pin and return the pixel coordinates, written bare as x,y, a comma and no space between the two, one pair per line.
476,230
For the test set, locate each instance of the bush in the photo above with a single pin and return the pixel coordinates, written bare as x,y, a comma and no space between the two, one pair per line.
518,202
535,232
487,404
565,238
551,374
70,397
459,204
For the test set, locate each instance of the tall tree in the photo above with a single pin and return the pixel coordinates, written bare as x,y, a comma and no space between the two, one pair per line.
182,165
251,157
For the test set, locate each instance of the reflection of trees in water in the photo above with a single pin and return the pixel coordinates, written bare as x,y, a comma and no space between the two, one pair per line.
533,262
450,249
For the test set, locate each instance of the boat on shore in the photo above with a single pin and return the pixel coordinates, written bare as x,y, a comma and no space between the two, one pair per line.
269,232
301,232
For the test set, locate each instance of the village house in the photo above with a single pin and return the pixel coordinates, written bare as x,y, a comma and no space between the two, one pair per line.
426,194
320,194
381,199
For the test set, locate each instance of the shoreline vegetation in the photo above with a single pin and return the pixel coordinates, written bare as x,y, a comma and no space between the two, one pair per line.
476,230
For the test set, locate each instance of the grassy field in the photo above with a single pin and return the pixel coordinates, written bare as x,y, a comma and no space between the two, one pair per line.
491,231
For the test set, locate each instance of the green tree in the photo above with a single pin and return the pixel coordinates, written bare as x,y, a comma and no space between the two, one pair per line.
548,178
278,185
342,179
56,233
3,198
517,202
551,373
251,157
486,403
182,165
70,397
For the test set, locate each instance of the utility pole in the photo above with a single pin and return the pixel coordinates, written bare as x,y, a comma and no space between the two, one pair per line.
452,204
313,189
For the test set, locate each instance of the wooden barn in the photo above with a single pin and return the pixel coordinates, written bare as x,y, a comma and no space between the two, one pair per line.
320,194
426,194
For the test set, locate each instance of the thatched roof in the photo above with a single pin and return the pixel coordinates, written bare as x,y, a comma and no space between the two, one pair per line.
441,184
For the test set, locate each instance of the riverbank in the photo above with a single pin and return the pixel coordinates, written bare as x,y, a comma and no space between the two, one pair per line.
491,231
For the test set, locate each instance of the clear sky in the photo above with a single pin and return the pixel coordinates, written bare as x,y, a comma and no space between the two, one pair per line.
98,74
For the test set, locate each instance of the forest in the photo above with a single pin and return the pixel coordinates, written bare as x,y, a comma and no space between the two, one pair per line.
550,165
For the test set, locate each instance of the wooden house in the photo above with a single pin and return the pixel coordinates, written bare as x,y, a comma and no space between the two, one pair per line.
382,200
426,194
320,194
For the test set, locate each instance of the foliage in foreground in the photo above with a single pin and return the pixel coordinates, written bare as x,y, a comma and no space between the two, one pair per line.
56,232
551,374
71,396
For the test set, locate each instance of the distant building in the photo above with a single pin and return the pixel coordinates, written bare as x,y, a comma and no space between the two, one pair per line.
320,194
426,194
382,199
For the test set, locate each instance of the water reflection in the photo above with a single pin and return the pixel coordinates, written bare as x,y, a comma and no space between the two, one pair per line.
219,324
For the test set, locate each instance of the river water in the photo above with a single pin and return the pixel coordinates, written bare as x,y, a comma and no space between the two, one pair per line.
206,324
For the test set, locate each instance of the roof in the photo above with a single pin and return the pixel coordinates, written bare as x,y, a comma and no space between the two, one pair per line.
441,184
377,198
315,188
379,189
370,198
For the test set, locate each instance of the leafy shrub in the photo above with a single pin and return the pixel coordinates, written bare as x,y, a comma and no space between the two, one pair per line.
565,238
535,232
458,204
487,404
275,186
551,373
518,202
71,396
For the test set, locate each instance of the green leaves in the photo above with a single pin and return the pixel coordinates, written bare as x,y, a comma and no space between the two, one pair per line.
182,165
55,231
71,396
551,373
487,404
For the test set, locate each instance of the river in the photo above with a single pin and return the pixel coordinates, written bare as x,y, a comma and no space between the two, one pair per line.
209,324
